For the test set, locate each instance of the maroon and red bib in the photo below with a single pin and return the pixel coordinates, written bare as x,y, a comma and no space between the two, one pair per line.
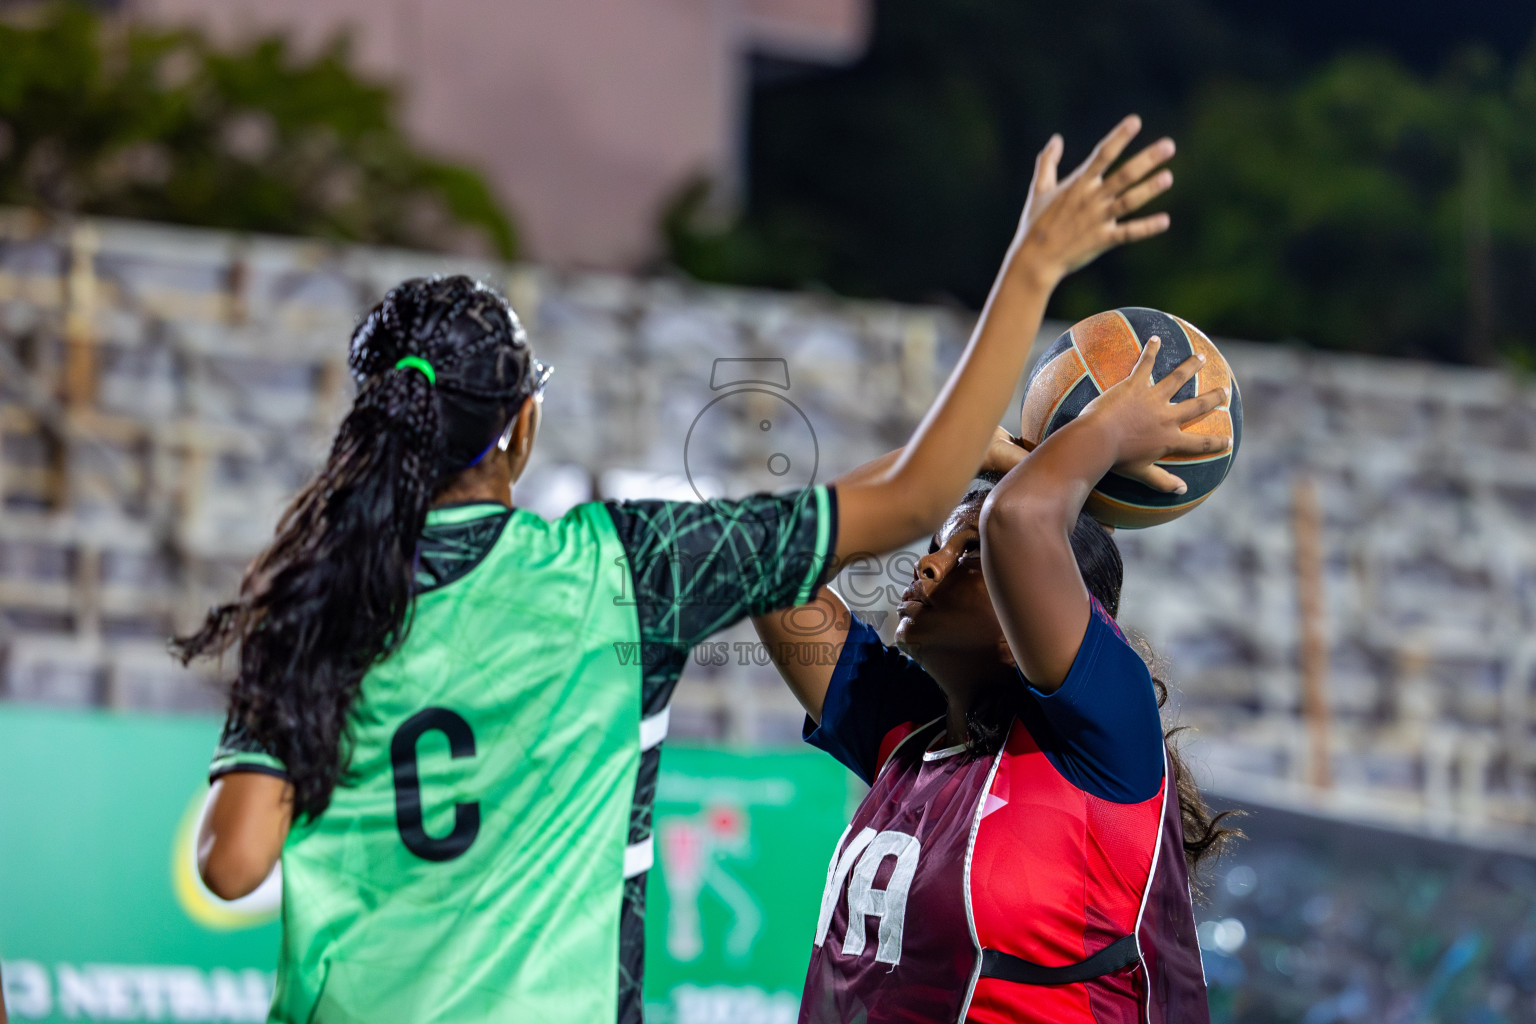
950,855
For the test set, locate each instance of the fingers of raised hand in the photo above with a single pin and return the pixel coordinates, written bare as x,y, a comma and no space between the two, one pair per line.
1192,409
1013,443
1135,198
1155,477
1144,363
1180,375
1141,227
1111,146
1139,166
1004,457
1189,443
1046,164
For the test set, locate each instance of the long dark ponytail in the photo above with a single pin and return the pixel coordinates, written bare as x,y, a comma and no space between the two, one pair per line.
332,595
1103,571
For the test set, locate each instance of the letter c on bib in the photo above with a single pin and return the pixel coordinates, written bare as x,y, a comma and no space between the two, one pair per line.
408,813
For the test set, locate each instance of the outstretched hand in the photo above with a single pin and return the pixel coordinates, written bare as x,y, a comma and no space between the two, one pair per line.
1148,425
1004,452
1067,223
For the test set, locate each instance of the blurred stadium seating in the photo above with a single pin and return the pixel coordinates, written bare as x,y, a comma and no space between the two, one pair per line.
165,389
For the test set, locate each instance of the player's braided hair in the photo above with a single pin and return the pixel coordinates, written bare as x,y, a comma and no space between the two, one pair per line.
992,713
332,594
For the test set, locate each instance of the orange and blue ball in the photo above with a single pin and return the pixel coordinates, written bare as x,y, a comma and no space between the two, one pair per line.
1097,353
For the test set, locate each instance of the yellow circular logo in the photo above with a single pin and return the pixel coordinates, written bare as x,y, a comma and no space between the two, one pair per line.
201,905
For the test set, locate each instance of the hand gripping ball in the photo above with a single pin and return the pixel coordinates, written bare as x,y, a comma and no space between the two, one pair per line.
1096,354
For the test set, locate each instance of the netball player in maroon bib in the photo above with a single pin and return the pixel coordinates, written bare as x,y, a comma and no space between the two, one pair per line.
1023,852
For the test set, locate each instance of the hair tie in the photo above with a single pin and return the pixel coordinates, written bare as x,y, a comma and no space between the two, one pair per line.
418,363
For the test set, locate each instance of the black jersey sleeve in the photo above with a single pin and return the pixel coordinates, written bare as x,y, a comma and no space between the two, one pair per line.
239,751
694,568
698,567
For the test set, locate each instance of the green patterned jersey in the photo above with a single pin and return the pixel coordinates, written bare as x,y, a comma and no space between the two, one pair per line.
485,859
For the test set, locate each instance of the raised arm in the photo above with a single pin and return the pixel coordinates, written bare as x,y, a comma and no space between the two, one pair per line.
820,627
1026,554
1065,224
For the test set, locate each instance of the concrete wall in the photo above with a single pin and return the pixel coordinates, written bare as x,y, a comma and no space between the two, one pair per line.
586,115
162,391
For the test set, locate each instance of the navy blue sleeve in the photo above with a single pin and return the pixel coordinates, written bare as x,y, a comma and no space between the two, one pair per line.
1101,728
874,689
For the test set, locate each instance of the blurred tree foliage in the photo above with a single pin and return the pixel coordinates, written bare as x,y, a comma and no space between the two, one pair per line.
101,116
1364,208
1353,205
903,175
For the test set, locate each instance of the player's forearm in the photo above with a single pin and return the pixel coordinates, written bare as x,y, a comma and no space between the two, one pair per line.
817,628
807,682
1048,489
1066,223
1026,548
946,449
924,479
874,469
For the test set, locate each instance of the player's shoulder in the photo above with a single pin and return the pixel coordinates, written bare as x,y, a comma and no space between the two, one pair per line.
1107,661
1100,618
760,508
591,522
515,543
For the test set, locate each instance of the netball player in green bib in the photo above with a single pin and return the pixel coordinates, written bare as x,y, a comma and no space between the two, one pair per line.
447,713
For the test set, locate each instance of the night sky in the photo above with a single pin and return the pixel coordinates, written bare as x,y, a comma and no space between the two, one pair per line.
1422,33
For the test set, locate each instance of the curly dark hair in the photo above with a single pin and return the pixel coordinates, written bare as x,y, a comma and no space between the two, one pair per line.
332,594
992,714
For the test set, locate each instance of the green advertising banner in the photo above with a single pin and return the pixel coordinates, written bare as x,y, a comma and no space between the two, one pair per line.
103,917
742,843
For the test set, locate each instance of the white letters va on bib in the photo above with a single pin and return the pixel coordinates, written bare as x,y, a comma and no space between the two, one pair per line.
862,857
